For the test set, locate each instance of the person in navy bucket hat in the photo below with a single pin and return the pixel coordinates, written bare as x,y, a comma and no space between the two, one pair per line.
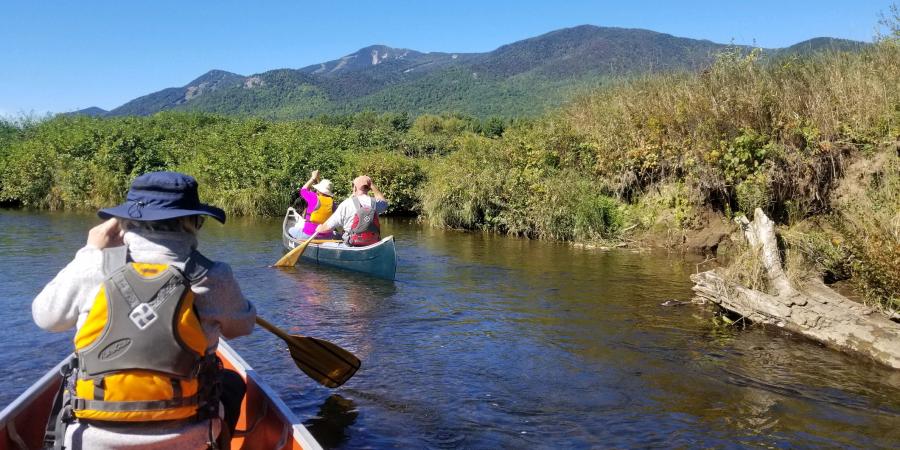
161,196
150,236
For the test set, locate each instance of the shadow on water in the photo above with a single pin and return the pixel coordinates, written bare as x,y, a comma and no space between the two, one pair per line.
330,425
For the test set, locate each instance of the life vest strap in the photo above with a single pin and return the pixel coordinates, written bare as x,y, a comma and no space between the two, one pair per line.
177,392
100,405
364,216
61,412
196,267
127,293
113,258
99,390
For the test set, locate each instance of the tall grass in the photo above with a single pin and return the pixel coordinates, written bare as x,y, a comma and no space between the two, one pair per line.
783,126
868,222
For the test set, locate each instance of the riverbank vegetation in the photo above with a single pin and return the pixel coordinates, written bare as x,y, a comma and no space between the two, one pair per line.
812,141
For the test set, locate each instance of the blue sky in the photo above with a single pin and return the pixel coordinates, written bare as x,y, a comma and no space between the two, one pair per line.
65,55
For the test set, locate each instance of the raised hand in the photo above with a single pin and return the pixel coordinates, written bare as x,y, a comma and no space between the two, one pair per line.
107,234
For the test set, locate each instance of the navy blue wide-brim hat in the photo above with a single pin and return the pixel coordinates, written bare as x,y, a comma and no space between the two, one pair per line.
161,196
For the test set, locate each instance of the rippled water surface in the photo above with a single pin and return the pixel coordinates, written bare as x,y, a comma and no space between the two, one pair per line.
492,342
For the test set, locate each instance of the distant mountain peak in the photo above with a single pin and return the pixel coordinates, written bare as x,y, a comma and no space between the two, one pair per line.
215,76
522,77
93,111
365,58
379,48
824,43
380,53
210,81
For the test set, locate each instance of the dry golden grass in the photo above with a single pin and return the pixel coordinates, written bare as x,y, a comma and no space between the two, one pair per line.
743,116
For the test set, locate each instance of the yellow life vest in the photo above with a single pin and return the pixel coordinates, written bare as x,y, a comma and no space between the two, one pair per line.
324,209
141,347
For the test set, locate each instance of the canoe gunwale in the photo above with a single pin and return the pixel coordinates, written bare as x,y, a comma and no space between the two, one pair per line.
9,414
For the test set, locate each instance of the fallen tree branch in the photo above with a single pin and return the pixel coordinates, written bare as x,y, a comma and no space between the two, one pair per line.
811,309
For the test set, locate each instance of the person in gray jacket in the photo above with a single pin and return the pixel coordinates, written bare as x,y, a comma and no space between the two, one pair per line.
157,225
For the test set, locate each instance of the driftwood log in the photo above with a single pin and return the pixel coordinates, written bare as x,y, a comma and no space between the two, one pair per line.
811,309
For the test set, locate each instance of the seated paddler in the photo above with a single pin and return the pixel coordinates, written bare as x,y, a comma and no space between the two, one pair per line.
320,206
357,216
148,311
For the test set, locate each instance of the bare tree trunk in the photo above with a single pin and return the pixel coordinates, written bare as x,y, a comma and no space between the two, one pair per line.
811,309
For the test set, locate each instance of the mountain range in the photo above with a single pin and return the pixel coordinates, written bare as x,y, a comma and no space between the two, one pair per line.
522,78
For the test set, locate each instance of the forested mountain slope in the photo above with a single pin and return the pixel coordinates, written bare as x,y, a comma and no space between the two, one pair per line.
521,78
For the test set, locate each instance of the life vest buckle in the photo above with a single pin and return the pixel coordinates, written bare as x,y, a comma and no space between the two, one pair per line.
143,316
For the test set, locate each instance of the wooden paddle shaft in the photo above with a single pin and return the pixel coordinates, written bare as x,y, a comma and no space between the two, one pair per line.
277,331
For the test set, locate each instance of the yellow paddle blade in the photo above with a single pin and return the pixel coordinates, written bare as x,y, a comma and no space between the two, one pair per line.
323,361
290,258
326,363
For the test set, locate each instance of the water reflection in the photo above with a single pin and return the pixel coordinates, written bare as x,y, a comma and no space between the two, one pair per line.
341,302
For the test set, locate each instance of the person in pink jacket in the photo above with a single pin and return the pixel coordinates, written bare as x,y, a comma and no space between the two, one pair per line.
319,207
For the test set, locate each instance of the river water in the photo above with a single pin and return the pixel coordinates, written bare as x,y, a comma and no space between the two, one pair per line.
492,342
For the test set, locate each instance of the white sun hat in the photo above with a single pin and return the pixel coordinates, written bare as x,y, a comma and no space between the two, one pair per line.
324,187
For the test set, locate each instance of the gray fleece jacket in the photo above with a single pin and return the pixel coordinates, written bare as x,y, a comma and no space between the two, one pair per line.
64,303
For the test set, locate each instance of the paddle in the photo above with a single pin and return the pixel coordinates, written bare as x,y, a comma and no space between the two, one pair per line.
290,258
323,361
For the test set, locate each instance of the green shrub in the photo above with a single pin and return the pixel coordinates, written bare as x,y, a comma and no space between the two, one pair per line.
753,192
530,183
27,176
399,178
467,188
596,216
743,156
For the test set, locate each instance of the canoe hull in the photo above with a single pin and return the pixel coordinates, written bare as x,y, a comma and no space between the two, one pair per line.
378,260
265,422
22,423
